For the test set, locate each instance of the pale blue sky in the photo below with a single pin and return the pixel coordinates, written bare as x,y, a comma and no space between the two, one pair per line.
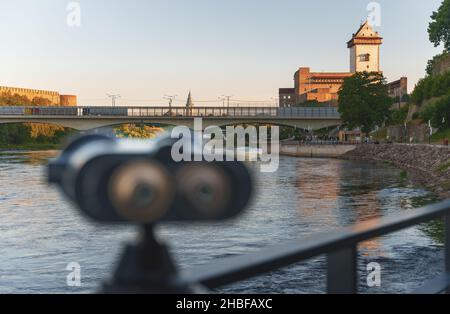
144,49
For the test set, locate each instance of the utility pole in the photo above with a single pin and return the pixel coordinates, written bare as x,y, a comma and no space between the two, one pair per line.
227,98
223,101
443,127
171,99
113,98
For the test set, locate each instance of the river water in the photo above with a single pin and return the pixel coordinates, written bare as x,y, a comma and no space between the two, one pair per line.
42,233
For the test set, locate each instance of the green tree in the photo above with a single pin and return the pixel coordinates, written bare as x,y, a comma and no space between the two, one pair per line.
18,134
364,101
439,28
27,133
438,113
398,116
431,86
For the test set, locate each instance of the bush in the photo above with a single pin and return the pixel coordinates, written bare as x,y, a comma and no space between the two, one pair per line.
398,116
14,134
438,113
441,117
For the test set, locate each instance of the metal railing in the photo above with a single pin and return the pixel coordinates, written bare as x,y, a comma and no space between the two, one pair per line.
340,247
174,112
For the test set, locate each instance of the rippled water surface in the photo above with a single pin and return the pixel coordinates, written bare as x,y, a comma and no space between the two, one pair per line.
41,233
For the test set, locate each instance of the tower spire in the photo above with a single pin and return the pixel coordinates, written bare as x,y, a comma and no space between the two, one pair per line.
189,102
189,105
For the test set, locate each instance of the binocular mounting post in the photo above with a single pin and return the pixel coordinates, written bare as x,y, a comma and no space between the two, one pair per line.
147,268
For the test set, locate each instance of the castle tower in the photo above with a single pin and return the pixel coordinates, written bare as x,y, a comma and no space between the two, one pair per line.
365,50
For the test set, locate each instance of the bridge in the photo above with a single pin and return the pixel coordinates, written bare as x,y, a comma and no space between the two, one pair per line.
88,118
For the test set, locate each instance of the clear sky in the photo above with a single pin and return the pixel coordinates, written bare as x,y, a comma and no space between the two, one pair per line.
144,49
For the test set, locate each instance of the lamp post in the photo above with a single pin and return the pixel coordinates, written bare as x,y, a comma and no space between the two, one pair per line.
171,99
406,133
430,127
113,98
443,133
227,98
223,101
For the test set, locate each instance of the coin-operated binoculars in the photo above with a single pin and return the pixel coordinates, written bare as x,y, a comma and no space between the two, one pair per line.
135,182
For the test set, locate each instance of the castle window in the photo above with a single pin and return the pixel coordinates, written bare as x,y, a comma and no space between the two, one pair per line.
364,58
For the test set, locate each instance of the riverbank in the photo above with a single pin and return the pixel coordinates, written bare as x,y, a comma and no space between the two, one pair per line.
30,147
428,165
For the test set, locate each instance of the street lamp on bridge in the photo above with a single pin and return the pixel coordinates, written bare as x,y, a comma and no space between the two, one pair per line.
227,98
113,98
171,99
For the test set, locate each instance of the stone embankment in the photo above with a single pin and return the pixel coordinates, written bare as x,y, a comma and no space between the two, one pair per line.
315,151
428,165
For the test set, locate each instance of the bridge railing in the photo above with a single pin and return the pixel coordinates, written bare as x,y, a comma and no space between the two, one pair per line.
174,112
340,247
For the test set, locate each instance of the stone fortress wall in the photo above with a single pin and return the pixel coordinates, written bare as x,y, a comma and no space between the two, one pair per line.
54,97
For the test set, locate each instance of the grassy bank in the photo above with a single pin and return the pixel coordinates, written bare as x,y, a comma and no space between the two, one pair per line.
441,135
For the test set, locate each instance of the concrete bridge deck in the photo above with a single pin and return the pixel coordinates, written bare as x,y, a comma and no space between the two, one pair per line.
87,118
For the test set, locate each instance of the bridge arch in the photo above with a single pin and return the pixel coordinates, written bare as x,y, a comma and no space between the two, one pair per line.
91,123
293,123
86,125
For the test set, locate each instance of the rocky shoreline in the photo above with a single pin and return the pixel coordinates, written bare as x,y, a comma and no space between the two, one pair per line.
428,165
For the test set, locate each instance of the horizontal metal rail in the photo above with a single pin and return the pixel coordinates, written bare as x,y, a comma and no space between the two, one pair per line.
340,246
175,112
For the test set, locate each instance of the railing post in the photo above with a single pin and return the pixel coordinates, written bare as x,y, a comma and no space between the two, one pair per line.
342,271
447,246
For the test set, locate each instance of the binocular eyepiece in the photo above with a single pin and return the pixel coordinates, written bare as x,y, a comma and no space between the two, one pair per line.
131,181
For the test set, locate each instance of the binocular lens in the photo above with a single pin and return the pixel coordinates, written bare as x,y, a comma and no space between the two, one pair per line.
206,187
141,191
120,181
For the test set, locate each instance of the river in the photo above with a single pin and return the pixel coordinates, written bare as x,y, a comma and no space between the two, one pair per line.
42,233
